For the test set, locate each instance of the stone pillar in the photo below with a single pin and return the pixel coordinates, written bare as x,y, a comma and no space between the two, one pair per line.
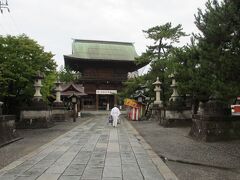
97,99
158,90
115,99
174,87
107,103
38,84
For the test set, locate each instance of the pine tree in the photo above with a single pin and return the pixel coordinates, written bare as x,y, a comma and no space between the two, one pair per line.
164,38
219,48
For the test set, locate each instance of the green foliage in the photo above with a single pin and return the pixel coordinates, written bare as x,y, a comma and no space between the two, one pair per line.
20,59
164,38
165,32
158,55
219,48
184,62
131,85
66,75
48,85
209,66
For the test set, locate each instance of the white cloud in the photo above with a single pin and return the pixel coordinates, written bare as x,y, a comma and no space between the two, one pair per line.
53,23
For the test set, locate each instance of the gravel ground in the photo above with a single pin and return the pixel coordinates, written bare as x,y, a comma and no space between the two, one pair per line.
190,159
33,139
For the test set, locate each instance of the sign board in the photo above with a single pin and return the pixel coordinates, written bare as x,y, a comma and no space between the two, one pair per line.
131,102
106,91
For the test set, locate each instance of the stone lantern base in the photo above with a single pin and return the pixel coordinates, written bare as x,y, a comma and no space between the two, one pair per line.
37,115
155,113
59,112
176,113
215,123
176,116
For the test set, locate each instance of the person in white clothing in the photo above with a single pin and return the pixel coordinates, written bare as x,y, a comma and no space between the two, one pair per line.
115,112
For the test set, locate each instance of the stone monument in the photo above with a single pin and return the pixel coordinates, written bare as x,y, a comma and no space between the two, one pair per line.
214,122
38,114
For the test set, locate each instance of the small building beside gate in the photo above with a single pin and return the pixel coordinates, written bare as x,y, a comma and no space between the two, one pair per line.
103,66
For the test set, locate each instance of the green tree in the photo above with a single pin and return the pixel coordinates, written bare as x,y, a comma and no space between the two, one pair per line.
184,62
48,86
65,75
134,84
20,59
164,39
219,48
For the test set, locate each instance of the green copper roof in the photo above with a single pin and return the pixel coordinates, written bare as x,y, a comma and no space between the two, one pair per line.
104,50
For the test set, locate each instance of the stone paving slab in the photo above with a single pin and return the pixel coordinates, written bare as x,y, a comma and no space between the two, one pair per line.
93,150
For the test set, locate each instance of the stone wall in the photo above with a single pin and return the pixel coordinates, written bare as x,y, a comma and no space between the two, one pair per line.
174,117
59,115
7,128
155,113
36,119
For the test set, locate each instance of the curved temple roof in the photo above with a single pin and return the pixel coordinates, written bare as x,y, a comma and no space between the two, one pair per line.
70,88
103,50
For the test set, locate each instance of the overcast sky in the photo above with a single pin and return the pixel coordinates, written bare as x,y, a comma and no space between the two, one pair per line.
53,23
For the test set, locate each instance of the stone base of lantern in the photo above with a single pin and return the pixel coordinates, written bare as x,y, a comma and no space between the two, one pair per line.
59,112
175,117
155,113
37,115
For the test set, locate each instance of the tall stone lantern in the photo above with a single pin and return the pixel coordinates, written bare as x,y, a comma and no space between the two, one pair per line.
174,87
58,90
157,90
37,85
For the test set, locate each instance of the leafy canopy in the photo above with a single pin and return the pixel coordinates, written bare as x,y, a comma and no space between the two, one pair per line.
164,39
219,47
20,59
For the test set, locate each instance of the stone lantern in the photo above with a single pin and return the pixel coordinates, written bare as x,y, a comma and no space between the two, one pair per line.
59,112
157,90
58,90
174,87
37,85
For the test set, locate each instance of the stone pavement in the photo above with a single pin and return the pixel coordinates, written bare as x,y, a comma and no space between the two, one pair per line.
190,159
93,150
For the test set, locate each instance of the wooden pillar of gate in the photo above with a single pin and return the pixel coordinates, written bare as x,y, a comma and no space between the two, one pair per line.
115,99
97,100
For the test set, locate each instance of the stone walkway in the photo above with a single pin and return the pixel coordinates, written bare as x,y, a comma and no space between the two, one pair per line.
93,150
